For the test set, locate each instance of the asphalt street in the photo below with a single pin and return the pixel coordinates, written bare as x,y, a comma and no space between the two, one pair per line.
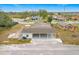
39,48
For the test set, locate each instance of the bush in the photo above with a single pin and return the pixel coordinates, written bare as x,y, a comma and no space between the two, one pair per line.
49,19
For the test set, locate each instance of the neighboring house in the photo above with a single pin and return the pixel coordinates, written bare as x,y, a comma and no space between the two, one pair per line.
59,17
64,25
22,21
68,26
17,20
36,17
38,31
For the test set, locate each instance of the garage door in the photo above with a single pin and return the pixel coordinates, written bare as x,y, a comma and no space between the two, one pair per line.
43,36
39,36
35,35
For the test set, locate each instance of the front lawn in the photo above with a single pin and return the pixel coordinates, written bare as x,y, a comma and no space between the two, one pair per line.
15,41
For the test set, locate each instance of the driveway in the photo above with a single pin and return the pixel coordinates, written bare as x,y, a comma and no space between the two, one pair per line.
39,48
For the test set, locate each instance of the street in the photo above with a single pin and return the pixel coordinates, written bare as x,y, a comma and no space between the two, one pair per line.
41,48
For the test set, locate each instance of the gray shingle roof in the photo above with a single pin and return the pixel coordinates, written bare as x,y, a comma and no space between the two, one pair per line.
38,28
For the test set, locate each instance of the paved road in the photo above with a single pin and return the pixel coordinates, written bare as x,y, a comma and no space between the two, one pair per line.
39,48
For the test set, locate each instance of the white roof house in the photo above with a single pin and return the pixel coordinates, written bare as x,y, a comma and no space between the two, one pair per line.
36,17
38,31
59,17
17,20
41,31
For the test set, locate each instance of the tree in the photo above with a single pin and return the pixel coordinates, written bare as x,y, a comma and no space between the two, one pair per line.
43,13
49,19
5,20
59,13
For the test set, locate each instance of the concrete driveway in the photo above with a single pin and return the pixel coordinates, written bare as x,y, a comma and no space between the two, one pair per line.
39,48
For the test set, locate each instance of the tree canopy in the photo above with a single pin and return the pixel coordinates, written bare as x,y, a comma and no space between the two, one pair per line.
5,20
49,19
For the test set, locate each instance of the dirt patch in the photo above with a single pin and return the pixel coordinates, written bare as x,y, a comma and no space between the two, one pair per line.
5,32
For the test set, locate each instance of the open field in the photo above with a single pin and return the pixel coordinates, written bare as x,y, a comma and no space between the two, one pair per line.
68,37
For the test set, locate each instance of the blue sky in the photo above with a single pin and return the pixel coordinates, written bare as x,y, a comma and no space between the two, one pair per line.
33,7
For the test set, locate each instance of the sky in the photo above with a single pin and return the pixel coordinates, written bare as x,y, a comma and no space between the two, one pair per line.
35,7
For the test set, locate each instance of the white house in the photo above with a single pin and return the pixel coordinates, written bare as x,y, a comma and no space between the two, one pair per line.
38,31
17,20
41,31
36,18
59,17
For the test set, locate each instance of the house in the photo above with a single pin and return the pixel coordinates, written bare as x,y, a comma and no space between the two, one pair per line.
68,26
17,20
38,31
64,25
59,17
36,17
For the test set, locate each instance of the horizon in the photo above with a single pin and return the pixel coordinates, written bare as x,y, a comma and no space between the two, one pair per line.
36,7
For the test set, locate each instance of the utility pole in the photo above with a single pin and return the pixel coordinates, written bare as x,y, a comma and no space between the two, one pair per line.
64,11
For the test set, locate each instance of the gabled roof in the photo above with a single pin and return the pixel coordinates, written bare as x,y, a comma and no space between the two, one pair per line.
38,28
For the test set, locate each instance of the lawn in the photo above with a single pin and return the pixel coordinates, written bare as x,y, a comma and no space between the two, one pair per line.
67,36
15,41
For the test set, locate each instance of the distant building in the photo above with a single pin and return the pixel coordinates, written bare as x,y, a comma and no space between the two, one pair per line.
17,20
36,17
59,17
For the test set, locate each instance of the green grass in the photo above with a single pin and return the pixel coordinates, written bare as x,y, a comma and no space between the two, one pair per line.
15,41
